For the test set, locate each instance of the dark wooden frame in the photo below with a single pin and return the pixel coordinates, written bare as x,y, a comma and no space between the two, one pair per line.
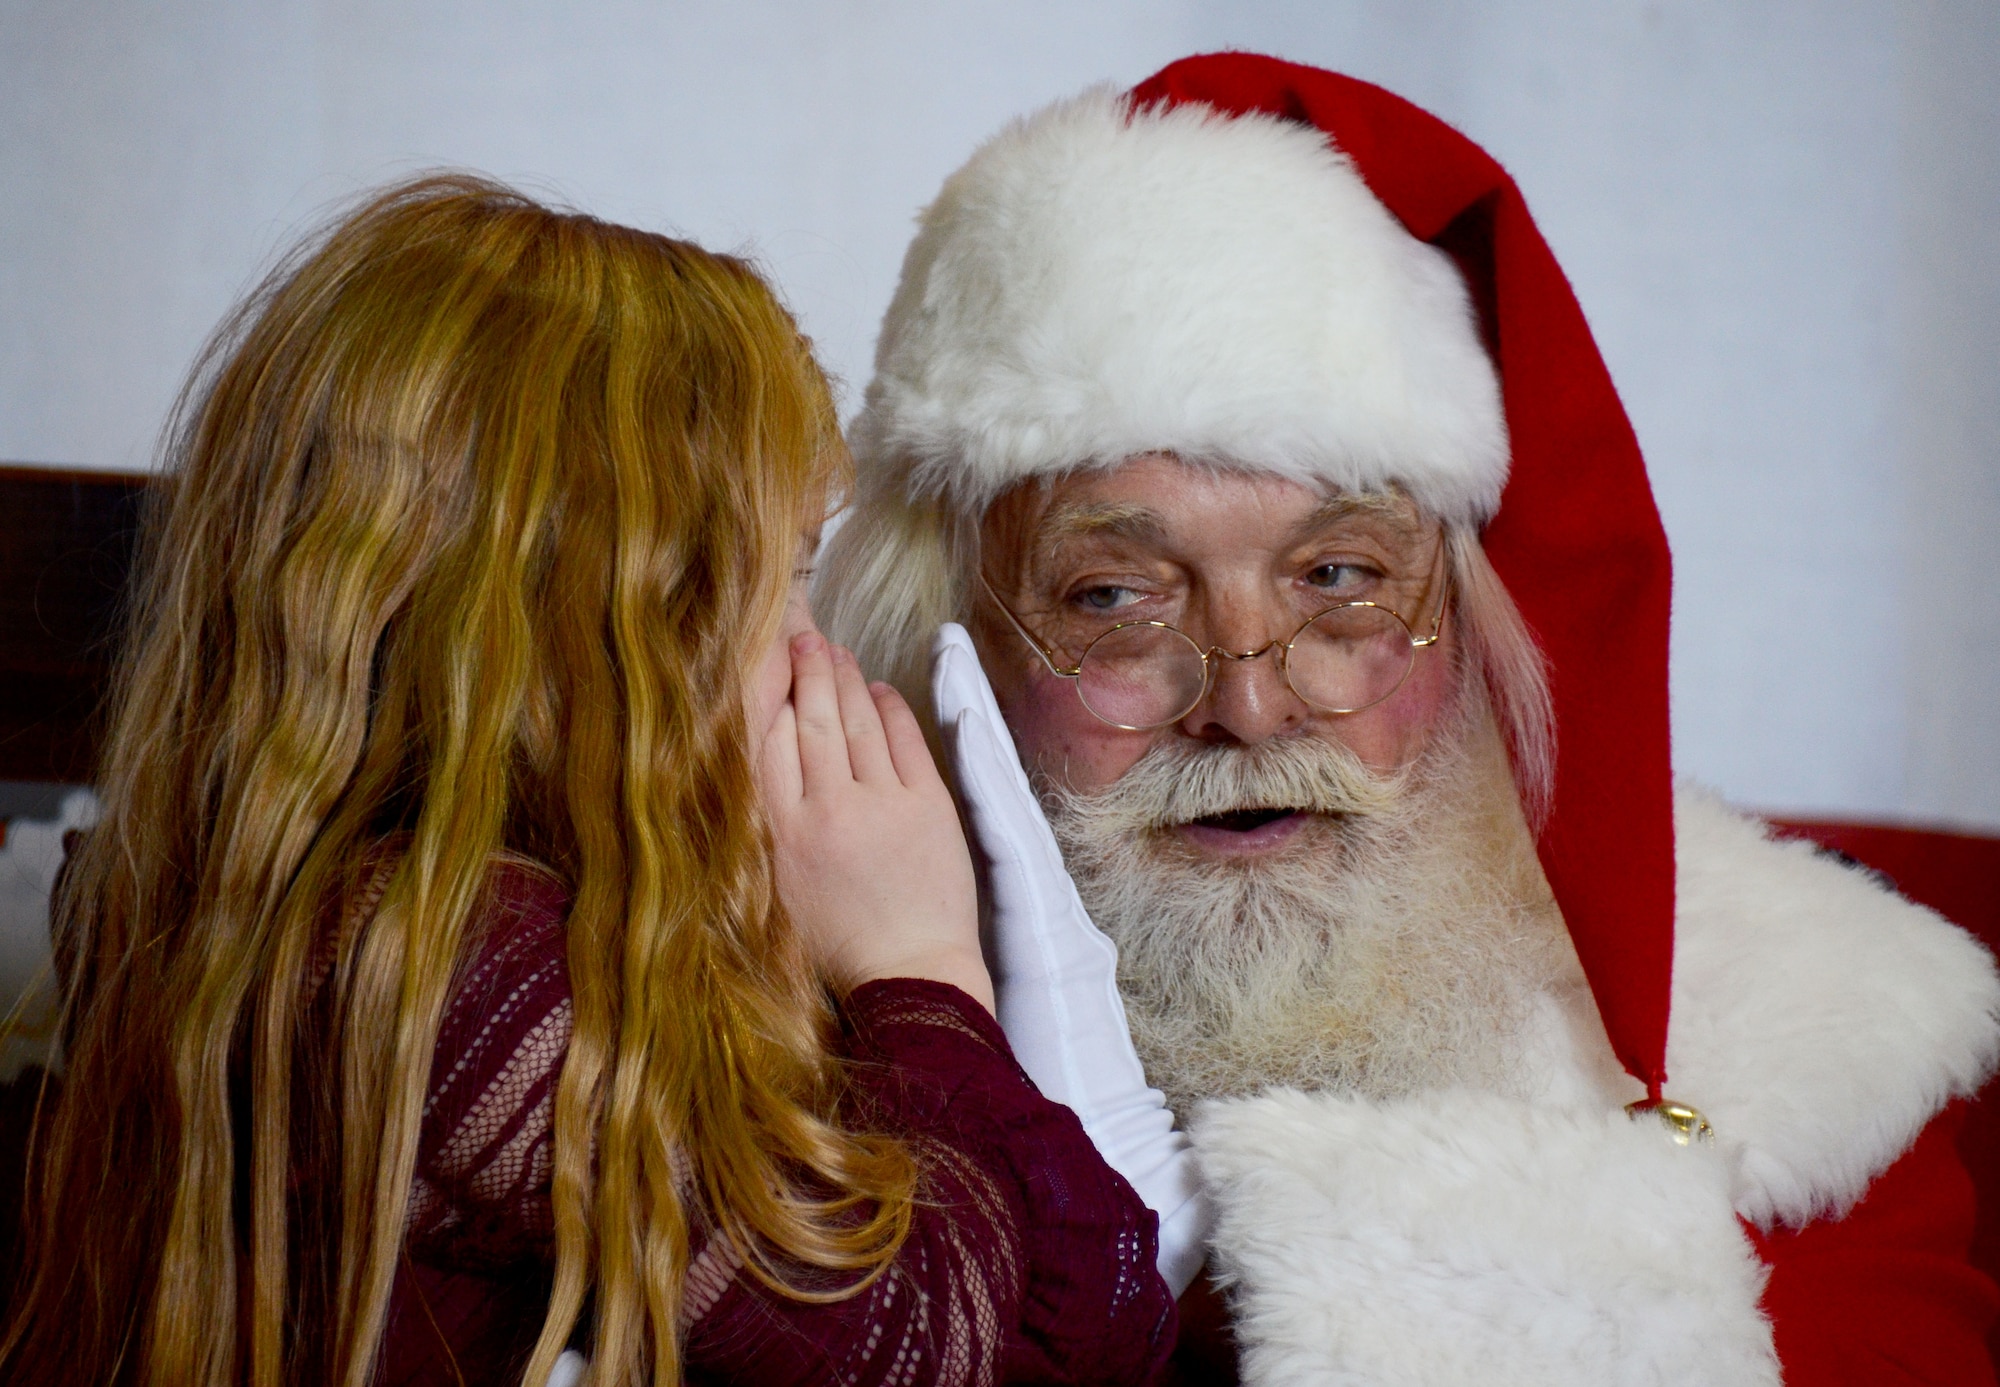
66,541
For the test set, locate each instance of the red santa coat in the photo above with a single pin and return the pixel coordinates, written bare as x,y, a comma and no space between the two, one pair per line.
1823,1025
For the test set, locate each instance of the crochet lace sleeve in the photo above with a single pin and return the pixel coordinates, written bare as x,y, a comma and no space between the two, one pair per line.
470,1297
480,1201
1028,1258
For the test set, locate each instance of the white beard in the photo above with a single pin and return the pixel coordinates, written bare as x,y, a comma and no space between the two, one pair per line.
1386,949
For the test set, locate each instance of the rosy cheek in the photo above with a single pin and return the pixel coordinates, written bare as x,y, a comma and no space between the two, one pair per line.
1392,734
1058,735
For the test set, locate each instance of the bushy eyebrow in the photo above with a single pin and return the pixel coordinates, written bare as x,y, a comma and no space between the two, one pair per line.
1349,505
1068,520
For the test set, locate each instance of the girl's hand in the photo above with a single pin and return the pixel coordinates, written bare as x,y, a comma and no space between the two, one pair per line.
870,859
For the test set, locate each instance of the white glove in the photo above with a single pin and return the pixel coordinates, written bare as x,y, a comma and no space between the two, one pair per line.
1055,974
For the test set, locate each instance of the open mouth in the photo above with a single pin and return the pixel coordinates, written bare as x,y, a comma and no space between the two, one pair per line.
1243,820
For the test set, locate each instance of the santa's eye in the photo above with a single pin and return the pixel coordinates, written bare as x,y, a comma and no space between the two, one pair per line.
1104,597
1340,577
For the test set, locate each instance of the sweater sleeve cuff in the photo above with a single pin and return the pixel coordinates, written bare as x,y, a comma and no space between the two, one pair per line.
878,1012
927,1042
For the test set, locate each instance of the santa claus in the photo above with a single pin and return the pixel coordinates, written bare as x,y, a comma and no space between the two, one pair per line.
1250,429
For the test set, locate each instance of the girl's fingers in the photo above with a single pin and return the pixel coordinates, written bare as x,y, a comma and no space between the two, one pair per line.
867,746
779,776
908,750
822,741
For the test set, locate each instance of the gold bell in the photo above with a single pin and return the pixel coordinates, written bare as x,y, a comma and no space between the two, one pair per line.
1684,1124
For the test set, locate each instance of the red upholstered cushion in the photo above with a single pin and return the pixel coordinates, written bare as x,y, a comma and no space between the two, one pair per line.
1957,875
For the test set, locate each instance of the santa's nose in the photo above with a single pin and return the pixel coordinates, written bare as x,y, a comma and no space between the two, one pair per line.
1248,699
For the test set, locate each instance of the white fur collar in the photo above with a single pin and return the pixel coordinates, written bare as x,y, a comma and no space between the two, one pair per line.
1819,1020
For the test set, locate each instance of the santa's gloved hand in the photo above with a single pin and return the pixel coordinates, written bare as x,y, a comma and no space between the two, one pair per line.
1055,974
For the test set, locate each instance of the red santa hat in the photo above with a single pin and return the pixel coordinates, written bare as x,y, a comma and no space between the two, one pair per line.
1269,266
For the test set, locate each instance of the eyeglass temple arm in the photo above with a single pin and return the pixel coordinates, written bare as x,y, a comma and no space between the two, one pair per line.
1034,641
1440,580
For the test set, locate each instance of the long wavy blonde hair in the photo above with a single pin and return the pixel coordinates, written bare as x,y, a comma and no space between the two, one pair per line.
474,520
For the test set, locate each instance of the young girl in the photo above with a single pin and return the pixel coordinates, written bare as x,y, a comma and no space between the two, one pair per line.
512,926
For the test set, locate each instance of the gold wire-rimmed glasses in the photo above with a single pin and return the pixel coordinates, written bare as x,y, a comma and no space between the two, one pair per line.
1140,675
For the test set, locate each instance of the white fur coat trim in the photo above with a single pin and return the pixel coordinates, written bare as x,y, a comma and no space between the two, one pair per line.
1819,1021
1464,1238
1096,283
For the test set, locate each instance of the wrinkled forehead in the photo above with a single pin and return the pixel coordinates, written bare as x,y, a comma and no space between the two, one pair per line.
1190,512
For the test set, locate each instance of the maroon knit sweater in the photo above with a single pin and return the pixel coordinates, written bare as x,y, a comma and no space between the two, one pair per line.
1029,1259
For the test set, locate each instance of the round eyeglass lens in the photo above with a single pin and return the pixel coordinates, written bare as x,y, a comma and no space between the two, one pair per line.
1350,658
1140,676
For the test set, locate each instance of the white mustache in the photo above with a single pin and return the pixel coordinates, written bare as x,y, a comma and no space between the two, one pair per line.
1180,781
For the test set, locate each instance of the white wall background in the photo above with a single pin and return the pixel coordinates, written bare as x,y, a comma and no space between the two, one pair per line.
1780,216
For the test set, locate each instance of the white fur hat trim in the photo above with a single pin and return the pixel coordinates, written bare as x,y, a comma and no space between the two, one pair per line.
1096,283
